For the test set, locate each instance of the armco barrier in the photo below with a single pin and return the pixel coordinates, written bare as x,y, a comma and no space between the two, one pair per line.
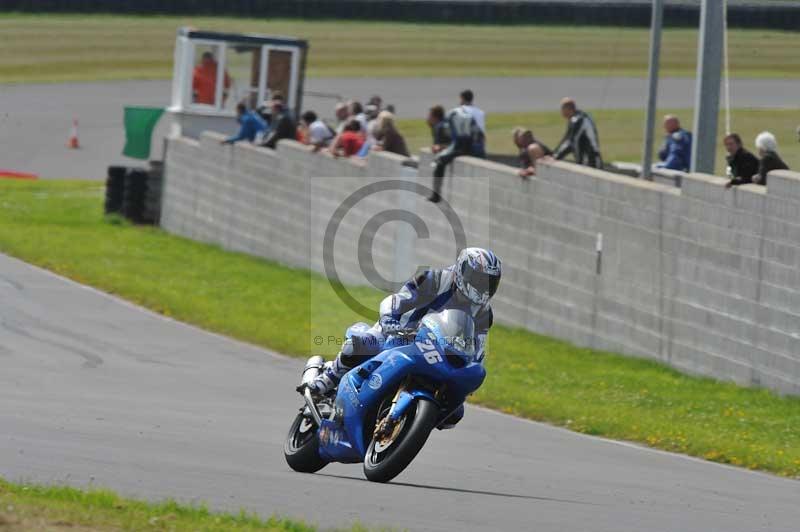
765,14
702,278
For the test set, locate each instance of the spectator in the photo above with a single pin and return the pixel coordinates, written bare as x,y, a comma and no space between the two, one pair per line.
371,111
318,134
676,153
349,141
467,98
377,101
389,139
265,109
440,129
581,138
357,112
204,81
530,150
250,125
282,125
798,133
466,139
342,113
742,165
370,133
769,159
479,150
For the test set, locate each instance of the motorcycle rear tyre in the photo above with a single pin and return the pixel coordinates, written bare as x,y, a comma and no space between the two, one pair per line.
305,457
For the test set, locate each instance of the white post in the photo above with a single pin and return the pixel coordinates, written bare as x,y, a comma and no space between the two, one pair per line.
709,72
652,87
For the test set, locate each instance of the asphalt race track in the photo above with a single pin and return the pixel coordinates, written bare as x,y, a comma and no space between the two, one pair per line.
35,119
96,391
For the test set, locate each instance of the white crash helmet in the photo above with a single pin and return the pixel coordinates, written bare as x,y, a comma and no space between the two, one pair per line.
478,273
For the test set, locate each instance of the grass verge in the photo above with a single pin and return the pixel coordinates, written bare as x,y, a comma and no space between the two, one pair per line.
31,507
104,47
58,225
621,131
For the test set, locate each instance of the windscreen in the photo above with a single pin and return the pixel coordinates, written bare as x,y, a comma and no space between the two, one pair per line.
454,329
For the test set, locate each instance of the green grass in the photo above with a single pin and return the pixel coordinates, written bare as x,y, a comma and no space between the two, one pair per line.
104,47
31,507
58,225
621,131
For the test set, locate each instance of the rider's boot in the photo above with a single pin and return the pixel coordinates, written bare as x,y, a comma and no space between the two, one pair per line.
329,377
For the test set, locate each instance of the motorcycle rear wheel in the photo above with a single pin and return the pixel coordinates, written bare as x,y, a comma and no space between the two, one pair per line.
301,449
418,422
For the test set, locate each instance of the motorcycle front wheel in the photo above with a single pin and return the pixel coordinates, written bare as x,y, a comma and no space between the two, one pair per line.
387,458
301,449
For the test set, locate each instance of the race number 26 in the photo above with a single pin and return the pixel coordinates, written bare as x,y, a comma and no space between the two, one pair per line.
429,351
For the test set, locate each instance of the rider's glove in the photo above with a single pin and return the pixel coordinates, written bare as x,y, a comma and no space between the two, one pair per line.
390,325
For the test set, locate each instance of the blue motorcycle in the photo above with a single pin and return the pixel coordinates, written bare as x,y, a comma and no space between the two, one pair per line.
384,410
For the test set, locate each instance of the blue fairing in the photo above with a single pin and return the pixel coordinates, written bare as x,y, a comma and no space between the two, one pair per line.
363,389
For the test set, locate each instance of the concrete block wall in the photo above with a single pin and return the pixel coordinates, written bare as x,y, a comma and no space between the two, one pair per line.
703,278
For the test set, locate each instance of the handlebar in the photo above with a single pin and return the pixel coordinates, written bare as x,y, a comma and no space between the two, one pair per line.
406,332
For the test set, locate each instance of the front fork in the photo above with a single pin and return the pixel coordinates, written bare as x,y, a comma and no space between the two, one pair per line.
402,400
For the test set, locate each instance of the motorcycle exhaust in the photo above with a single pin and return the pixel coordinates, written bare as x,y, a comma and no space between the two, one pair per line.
313,368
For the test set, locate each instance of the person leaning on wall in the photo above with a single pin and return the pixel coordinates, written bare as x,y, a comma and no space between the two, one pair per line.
283,127
388,137
581,138
251,125
676,152
769,160
530,150
742,165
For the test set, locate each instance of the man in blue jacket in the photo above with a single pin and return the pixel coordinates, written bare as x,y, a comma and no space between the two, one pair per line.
250,125
676,153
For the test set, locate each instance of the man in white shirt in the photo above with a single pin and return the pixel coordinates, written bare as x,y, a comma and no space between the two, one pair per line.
477,114
357,112
319,134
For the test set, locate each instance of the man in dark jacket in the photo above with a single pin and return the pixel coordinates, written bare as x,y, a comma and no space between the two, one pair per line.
581,137
742,165
440,128
466,138
282,125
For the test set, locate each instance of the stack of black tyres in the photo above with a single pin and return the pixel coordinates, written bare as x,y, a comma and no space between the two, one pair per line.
152,195
135,193
115,189
133,197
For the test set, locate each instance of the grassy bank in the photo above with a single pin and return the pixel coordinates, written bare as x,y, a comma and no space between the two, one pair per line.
59,225
92,47
621,131
30,507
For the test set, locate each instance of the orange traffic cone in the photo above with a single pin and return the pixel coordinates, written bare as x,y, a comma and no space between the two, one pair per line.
72,142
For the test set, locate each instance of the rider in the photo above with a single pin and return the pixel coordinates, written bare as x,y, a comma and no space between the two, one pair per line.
467,285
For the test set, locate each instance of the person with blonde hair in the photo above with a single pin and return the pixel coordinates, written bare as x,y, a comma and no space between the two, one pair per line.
769,160
389,139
